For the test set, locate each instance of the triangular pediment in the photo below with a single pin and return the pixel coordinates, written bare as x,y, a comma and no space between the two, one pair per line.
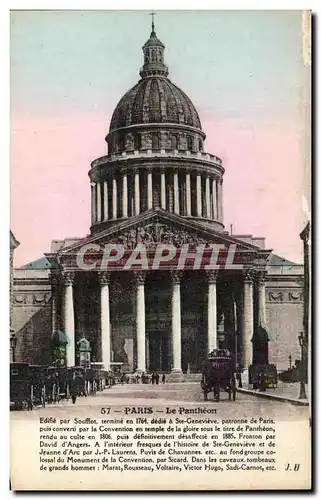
158,226
140,241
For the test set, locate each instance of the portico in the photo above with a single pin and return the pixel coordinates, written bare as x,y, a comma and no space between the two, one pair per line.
166,319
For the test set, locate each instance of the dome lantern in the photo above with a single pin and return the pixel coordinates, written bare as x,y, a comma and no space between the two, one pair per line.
153,57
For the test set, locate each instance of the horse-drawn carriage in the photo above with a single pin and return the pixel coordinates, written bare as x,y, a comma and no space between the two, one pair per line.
218,374
57,384
38,385
20,386
77,382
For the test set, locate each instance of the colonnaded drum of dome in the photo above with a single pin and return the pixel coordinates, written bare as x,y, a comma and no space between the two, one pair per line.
156,153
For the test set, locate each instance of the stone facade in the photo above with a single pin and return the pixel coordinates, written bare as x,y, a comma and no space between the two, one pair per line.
156,186
13,245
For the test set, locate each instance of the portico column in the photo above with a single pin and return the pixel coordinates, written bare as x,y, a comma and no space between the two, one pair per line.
176,193
69,320
199,195
125,196
208,197
247,319
140,322
261,298
176,323
188,195
214,197
98,200
104,280
163,190
212,312
149,190
54,285
114,198
93,203
105,200
137,193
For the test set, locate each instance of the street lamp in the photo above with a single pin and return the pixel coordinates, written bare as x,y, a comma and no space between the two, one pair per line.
302,394
290,361
13,345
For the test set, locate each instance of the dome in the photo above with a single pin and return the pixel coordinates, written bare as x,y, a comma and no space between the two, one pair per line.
154,99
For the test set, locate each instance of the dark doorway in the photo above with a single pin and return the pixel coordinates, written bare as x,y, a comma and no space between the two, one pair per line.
158,351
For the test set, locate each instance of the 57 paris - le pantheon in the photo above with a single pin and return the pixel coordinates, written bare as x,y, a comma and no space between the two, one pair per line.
158,189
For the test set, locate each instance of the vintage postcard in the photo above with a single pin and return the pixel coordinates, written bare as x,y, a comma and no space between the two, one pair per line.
160,250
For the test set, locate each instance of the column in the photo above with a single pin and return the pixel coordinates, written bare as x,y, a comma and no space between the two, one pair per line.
199,195
125,197
220,200
247,318
104,279
93,203
98,200
54,286
149,190
105,200
140,322
188,196
114,198
214,199
137,193
222,205
176,323
163,190
208,197
176,193
261,298
69,319
212,312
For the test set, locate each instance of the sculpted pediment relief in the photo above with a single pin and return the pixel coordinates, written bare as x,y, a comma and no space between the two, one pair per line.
156,232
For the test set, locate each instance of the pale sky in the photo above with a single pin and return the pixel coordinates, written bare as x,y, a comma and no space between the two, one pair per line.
243,70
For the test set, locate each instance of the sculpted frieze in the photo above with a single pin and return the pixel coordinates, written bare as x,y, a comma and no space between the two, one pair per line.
155,233
285,296
20,299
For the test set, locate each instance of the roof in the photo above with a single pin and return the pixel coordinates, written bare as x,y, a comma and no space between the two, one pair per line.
42,263
155,100
13,242
276,260
59,338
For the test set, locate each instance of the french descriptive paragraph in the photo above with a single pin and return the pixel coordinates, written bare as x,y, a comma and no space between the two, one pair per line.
177,444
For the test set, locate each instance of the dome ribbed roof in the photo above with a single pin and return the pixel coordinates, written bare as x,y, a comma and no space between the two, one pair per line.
154,100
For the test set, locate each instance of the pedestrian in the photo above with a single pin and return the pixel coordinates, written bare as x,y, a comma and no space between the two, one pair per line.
153,378
163,378
157,378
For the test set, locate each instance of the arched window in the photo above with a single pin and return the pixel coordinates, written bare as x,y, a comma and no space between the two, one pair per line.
155,141
174,142
189,143
200,145
137,142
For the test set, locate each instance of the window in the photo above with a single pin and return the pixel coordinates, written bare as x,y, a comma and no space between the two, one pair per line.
174,142
137,142
200,145
155,141
189,143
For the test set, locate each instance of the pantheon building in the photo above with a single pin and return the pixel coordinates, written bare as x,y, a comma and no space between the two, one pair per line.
157,188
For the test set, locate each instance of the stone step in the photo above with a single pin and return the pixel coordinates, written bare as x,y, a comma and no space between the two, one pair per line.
183,377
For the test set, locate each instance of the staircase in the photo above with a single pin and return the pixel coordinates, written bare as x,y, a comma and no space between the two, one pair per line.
183,377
